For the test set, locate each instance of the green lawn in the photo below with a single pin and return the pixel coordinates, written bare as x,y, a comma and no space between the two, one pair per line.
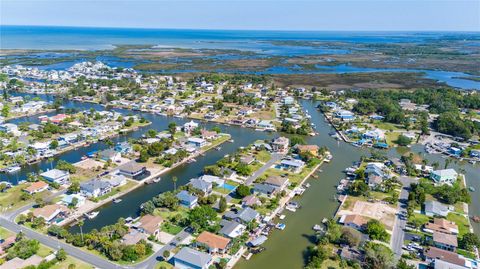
166,213
171,228
461,221
163,265
4,233
263,156
420,219
12,197
386,126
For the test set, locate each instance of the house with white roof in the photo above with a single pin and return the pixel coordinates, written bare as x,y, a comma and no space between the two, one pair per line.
444,176
56,175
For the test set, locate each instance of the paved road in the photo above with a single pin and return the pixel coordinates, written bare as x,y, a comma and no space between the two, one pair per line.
275,157
400,221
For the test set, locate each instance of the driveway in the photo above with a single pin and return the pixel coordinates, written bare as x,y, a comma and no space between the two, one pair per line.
275,158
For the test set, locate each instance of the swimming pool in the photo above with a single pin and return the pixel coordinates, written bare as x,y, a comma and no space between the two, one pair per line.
228,187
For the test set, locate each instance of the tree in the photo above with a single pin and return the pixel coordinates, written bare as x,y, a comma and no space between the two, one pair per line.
5,111
202,217
217,129
358,187
61,255
80,225
351,237
54,144
242,190
174,180
66,166
172,128
166,254
316,256
23,249
403,140
469,241
378,256
402,264
376,231
74,187
222,204
296,140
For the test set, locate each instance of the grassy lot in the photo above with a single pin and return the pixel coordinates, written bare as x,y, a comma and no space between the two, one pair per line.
263,156
130,184
418,218
12,197
216,142
327,264
391,137
386,126
44,251
163,265
171,228
461,221
166,213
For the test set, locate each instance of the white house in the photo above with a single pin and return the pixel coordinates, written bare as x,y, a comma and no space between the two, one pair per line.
447,176
56,175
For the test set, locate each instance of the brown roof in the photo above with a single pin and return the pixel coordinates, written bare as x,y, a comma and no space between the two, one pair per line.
355,219
442,225
150,223
206,133
276,181
213,240
47,211
36,186
447,239
444,255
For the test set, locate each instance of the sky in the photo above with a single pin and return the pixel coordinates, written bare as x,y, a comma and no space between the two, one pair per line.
320,15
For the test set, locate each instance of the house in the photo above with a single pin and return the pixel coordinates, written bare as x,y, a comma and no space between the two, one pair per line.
435,208
188,258
249,159
190,126
251,200
264,189
36,187
442,226
208,135
201,185
109,155
344,115
95,188
133,237
288,100
70,198
116,180
214,243
376,134
475,153
447,176
293,165
132,170
56,175
10,128
187,200
445,241
50,212
455,151
354,221
197,142
150,224
212,179
266,124
444,259
16,262
231,229
374,181
280,144
375,169
245,215
311,149
278,182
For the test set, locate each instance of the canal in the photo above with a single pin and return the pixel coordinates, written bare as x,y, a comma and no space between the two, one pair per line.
285,249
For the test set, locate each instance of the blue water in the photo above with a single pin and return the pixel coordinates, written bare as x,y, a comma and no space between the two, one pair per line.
228,187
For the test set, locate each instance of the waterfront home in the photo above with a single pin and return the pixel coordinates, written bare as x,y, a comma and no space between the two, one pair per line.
344,115
374,181
444,176
214,243
73,199
278,182
50,213
123,147
56,175
455,151
208,135
376,169
201,185
435,208
149,224
231,229
442,226
354,221
280,144
244,215
36,187
212,179
445,241
109,155
188,258
288,100
249,159
132,170
442,259
264,189
331,105
293,165
133,237
311,149
266,124
32,261
187,200
95,188
197,142
190,126
116,180
251,200
10,128
376,134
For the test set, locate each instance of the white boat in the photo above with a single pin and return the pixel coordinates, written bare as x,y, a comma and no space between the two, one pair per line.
290,208
91,215
116,201
280,226
282,217
317,228
191,161
13,169
157,179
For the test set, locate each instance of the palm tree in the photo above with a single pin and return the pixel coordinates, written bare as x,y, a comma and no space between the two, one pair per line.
80,225
174,180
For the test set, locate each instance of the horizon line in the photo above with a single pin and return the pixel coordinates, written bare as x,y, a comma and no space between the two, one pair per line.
236,29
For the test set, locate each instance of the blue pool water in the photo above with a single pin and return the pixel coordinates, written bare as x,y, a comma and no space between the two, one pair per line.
228,187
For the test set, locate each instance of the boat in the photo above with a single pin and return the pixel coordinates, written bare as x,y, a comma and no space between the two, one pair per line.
91,215
191,161
307,185
218,148
472,189
291,209
13,169
231,140
157,179
317,228
282,217
475,218
280,226
324,220
117,200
